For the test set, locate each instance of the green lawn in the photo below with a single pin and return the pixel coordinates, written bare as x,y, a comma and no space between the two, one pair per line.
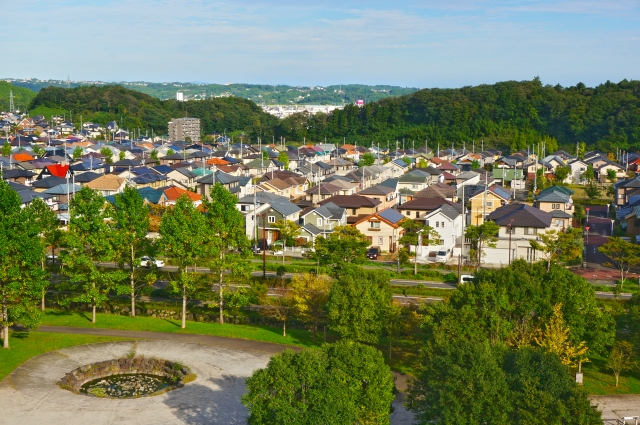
297,337
25,345
598,380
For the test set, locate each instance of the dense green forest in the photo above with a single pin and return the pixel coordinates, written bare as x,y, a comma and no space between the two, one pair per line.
506,115
21,96
135,110
262,94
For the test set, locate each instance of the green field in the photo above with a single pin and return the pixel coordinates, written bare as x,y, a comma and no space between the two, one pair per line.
25,345
600,381
297,337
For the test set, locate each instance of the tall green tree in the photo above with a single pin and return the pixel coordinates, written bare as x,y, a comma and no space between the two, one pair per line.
90,241
342,383
555,244
310,295
358,303
284,158
6,149
77,153
345,245
562,172
131,225
482,236
417,232
622,255
22,280
183,233
227,245
367,160
45,222
108,155
288,231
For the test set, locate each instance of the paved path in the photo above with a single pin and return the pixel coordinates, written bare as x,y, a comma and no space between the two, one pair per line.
29,395
617,406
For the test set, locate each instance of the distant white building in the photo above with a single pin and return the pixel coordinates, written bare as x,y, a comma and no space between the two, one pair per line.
180,96
181,128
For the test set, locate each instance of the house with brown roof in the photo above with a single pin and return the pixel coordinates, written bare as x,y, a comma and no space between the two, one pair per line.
438,190
290,187
108,184
386,194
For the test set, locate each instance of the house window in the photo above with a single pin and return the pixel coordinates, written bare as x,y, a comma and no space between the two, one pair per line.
380,240
408,213
442,224
437,224
271,219
417,214
353,210
243,208
555,206
318,222
530,231
489,203
375,224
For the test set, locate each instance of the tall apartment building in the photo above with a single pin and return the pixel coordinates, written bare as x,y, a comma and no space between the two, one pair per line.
181,128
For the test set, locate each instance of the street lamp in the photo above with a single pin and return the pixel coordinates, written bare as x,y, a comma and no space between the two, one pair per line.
510,227
586,247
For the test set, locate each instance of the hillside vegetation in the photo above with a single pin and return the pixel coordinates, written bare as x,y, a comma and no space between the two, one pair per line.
507,114
511,115
21,96
135,110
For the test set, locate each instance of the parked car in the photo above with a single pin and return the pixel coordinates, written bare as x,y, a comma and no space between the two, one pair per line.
52,258
443,256
373,253
256,249
151,262
466,278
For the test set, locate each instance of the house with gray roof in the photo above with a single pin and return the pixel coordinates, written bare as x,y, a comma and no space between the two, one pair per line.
382,229
321,220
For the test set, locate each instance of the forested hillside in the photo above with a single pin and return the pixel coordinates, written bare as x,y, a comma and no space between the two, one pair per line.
21,96
135,110
508,114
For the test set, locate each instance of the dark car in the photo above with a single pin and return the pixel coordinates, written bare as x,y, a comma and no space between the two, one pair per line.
256,249
373,253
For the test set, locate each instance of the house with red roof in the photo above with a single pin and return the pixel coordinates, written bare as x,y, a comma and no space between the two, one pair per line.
56,170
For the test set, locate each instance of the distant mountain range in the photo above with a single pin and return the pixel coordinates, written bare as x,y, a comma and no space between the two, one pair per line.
261,94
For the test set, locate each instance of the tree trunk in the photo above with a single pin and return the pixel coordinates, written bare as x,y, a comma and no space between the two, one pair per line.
132,271
43,290
315,331
617,375
221,298
184,307
549,264
284,328
415,262
5,329
284,247
93,313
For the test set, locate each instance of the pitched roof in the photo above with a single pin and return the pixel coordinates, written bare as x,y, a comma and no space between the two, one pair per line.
58,170
173,193
439,190
522,215
352,201
427,204
106,182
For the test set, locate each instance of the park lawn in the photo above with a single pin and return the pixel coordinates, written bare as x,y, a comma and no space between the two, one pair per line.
297,337
598,380
26,345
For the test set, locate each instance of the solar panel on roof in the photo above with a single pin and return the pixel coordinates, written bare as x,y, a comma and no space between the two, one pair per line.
391,215
502,193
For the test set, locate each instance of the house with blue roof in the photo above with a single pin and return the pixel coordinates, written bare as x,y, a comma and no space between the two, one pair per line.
383,229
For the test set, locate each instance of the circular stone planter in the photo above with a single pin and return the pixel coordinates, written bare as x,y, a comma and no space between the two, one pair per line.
174,374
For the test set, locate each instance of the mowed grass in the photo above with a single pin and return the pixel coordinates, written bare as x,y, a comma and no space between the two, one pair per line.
26,345
598,380
297,337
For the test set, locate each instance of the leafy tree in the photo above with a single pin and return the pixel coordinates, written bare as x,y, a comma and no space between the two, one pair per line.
556,339
154,154
416,232
77,153
284,158
562,172
38,151
484,235
280,305
589,174
22,280
592,190
555,243
342,383
622,358
288,231
6,149
387,160
182,235
131,219
622,255
226,243
170,151
310,295
108,155
89,242
265,155
406,160
422,163
394,324
475,164
121,155
367,160
345,245
612,176
358,303
45,223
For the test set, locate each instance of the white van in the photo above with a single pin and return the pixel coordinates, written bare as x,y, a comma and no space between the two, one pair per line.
443,256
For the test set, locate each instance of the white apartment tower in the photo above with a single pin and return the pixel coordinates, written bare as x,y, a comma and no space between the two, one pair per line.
181,128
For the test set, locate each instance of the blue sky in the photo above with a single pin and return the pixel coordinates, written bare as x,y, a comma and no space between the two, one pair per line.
425,43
